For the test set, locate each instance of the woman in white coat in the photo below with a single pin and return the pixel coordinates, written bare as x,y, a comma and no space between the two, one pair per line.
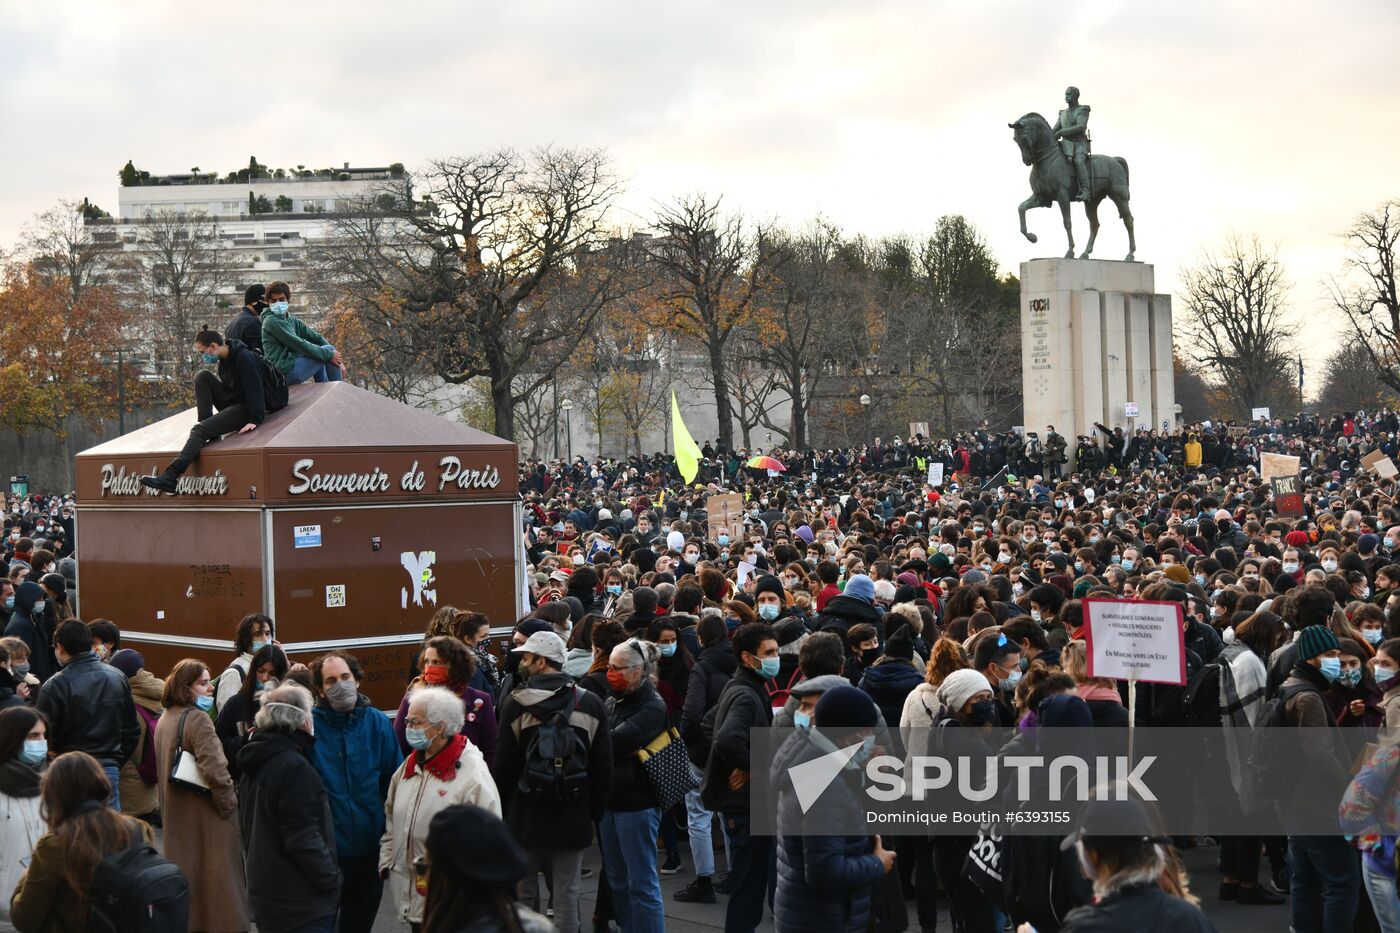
445,768
24,753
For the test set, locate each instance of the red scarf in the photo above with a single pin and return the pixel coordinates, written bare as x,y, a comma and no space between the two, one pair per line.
443,765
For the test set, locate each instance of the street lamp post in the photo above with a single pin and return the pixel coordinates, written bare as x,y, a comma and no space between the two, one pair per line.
865,406
567,406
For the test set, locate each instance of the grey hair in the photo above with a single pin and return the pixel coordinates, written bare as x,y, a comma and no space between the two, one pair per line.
441,707
644,654
284,709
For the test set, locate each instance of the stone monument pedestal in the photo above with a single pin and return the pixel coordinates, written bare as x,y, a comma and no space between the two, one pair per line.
1096,346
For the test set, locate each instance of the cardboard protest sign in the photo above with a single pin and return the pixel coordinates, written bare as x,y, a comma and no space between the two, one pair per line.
1287,498
1129,640
1379,464
1259,414
725,513
1271,465
918,427
935,474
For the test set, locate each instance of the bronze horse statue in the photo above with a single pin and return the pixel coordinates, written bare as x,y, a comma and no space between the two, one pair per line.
1053,182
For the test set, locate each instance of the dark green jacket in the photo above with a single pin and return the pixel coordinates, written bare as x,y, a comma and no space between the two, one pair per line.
286,338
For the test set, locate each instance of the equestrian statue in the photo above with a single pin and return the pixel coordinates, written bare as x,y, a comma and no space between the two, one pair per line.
1064,170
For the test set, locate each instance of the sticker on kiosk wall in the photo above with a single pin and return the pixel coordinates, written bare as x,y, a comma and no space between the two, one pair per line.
306,536
335,595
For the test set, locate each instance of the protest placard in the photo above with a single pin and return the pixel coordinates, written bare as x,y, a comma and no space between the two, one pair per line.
1287,499
935,474
917,428
1129,640
725,513
1271,465
1379,464
1259,414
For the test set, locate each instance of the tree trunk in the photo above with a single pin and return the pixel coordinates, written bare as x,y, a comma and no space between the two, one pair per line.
502,404
722,410
797,426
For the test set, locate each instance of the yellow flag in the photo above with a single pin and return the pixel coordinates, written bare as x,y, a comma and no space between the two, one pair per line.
687,453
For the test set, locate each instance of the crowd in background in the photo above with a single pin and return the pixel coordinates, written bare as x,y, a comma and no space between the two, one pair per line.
851,594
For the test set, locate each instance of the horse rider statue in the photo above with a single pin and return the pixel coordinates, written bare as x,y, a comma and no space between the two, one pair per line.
1072,130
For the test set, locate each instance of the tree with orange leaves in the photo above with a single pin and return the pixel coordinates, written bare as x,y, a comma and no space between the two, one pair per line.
57,352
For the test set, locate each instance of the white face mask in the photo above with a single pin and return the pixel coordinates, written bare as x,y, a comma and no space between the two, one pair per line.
38,605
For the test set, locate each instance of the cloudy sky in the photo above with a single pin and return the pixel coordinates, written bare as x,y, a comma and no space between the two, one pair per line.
1275,117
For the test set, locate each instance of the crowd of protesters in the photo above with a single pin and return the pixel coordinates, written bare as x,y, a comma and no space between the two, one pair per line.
853,595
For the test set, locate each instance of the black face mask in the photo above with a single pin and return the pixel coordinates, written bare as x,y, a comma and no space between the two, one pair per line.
259,307
983,712
511,663
869,656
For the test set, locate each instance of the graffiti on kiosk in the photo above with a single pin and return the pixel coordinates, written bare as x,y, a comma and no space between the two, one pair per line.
450,471
420,574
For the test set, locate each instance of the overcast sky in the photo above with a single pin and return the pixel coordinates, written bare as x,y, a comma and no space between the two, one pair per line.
1277,118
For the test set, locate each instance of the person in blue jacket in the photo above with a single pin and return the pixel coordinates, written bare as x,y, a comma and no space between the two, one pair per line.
356,755
825,880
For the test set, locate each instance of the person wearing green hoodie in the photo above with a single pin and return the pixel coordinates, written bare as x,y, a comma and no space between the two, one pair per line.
298,351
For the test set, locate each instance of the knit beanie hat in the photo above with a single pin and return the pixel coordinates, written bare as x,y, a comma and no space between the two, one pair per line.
805,533
769,584
861,587
901,644
1178,573
128,661
1296,539
1082,588
909,593
790,630
1314,640
940,563
907,578
1367,543
644,600
960,686
846,707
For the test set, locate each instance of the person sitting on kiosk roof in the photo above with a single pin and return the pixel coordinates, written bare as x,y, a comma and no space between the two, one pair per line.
297,351
244,391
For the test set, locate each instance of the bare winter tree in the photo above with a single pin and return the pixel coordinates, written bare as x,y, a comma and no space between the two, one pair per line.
60,243
498,271
174,275
1236,324
711,266
1366,294
1351,381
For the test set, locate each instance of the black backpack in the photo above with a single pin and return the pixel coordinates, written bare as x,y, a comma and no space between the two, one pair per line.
1272,767
137,891
556,758
275,393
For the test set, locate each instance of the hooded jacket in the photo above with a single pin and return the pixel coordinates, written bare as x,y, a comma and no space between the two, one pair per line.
889,684
845,611
245,375
356,755
549,824
824,881
25,625
288,833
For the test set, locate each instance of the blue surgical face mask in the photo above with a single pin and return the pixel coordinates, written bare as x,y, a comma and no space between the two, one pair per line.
417,738
867,745
1383,674
1331,668
256,646
768,667
205,703
722,539
768,612
278,307
668,650
1374,635
9,603
1350,678
1010,681
731,623
801,720
34,751
1128,563
21,670
615,589
208,357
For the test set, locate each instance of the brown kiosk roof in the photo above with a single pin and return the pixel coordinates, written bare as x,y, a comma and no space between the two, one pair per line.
319,415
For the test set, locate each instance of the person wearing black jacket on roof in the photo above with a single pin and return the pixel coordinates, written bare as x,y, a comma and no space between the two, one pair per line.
245,390
247,327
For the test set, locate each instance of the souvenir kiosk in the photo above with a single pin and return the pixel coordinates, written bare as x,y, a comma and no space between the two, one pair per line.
348,517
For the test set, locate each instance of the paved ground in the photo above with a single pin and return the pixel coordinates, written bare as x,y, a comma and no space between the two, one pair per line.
700,918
